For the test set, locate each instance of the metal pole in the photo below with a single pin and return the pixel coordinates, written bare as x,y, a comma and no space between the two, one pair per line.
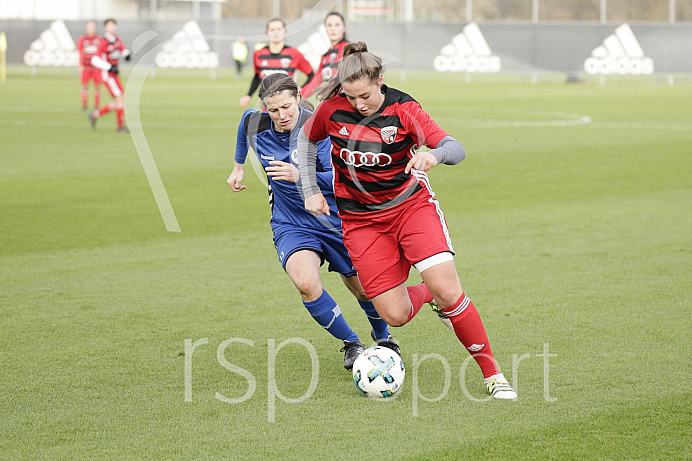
534,11
408,10
153,10
671,11
3,57
469,10
604,13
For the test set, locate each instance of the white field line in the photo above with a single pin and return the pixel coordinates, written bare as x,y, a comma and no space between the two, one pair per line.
134,86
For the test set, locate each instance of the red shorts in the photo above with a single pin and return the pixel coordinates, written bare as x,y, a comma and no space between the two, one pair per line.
383,249
113,84
91,73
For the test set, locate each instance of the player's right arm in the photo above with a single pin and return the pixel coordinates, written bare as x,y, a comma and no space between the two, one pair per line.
241,149
325,175
99,59
236,178
100,63
245,100
80,49
315,202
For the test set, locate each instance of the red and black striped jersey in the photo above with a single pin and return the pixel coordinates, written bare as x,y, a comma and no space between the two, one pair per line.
287,60
370,154
88,46
329,64
110,49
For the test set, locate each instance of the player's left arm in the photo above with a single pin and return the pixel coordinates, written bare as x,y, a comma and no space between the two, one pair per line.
124,52
425,131
283,171
304,66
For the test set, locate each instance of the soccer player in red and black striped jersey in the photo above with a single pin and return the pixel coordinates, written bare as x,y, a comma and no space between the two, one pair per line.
276,57
87,46
390,218
335,26
107,58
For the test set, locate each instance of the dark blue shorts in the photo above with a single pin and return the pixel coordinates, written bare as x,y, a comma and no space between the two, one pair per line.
328,244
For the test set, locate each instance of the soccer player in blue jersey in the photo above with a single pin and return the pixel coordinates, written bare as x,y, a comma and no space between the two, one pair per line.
303,242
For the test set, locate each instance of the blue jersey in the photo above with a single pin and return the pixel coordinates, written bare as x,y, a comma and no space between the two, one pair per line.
257,130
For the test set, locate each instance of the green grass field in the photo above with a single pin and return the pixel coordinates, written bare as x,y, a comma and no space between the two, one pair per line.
572,222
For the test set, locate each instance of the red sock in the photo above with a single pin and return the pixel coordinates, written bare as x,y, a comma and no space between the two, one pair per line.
104,110
97,98
85,97
419,295
470,331
119,114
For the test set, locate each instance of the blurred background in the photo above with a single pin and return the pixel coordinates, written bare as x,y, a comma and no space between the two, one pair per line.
670,11
533,37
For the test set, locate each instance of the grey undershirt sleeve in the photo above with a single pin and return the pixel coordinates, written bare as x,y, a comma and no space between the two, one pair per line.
307,164
449,151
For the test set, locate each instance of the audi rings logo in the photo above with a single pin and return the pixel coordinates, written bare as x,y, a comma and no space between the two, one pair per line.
356,158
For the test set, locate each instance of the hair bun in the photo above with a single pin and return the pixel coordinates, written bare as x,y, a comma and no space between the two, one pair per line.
356,47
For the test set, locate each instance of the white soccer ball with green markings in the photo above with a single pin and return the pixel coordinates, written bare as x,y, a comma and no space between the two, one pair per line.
379,372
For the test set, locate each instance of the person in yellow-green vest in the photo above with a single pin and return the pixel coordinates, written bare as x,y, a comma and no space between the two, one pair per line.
239,52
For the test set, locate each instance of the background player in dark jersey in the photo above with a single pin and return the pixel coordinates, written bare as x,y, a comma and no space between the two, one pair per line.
87,46
276,57
107,58
303,241
391,220
335,26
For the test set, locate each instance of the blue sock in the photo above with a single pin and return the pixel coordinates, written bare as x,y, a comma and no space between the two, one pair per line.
327,313
379,326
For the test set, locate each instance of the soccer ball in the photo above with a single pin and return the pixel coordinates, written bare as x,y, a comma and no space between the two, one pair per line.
378,372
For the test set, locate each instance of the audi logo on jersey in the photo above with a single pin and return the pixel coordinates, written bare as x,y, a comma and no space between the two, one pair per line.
357,158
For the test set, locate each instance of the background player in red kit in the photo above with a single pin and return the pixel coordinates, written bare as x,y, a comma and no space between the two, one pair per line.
108,55
335,26
390,218
276,57
88,45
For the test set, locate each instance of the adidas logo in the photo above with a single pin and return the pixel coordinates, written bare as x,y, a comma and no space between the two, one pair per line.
343,131
475,347
620,54
315,46
54,47
468,52
187,48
